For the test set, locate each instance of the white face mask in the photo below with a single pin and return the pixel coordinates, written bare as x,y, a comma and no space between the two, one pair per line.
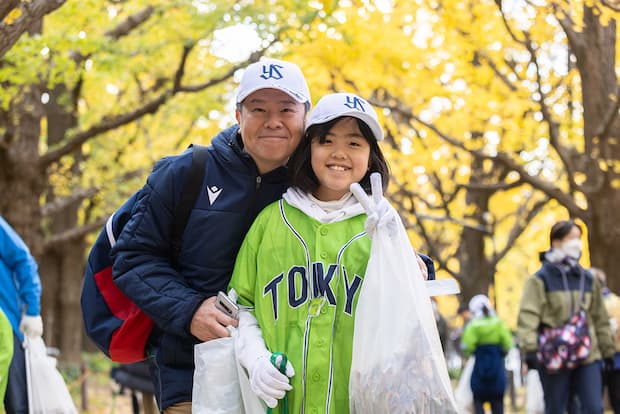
572,248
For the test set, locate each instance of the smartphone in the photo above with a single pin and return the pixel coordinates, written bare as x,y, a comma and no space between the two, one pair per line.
226,305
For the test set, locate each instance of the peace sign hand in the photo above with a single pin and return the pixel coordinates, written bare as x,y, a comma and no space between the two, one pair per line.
379,211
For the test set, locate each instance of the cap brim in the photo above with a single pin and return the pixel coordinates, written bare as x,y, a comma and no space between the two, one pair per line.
368,120
287,91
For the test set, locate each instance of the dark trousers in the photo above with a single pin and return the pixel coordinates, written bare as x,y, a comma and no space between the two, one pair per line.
613,390
497,405
16,398
585,381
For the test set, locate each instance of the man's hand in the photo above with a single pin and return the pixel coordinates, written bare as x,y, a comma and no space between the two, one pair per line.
210,323
31,326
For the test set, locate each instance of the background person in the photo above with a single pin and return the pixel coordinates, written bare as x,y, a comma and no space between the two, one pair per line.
20,300
6,354
549,298
612,304
487,338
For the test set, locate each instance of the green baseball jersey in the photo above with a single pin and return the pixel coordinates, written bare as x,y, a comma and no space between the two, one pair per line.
303,279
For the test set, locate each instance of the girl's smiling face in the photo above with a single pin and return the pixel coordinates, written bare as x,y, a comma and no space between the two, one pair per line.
340,160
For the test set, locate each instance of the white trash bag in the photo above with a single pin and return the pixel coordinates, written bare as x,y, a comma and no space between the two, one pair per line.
463,393
47,391
534,395
398,365
221,385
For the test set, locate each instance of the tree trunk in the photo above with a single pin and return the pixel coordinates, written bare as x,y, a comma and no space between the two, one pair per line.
602,136
475,272
66,260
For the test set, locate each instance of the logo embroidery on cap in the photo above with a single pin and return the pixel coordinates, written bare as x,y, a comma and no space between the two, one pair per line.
354,102
272,72
213,192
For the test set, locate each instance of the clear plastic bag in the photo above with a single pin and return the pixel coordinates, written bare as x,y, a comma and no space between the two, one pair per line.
47,391
463,393
398,365
221,385
534,396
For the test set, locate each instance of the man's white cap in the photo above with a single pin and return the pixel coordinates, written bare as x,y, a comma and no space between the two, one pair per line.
335,105
278,74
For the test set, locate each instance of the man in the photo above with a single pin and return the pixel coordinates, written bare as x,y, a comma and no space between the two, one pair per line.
20,300
244,172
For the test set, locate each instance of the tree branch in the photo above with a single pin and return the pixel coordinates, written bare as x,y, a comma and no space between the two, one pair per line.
72,234
575,39
31,12
129,24
62,203
548,188
610,6
461,223
6,6
610,116
110,123
492,188
518,228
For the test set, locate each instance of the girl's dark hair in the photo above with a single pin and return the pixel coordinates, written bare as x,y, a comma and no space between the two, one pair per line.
560,229
300,166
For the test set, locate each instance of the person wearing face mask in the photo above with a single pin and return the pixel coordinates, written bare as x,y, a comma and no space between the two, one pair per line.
549,298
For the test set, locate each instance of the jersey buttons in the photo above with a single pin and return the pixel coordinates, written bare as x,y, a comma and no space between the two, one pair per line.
324,231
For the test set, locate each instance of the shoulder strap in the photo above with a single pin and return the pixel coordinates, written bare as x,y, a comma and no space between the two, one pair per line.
189,195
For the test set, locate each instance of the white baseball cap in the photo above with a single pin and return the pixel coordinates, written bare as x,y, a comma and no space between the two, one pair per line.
335,105
270,73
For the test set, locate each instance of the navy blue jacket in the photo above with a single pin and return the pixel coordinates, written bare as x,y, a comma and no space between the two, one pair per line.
232,195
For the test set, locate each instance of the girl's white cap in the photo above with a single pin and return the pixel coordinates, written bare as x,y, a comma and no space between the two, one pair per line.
345,104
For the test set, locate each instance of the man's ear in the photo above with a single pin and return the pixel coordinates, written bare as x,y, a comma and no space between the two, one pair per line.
238,116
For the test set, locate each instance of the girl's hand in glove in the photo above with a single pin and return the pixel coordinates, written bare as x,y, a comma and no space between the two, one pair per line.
267,382
379,211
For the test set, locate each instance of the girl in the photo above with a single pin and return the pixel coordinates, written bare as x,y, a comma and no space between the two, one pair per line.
303,262
557,290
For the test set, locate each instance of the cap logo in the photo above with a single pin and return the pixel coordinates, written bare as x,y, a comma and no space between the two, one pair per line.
272,72
354,102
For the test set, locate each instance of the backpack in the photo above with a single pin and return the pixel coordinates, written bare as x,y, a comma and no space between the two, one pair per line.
567,346
488,378
114,323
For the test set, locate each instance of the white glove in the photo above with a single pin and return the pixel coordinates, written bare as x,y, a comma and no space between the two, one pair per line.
31,326
267,382
379,211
